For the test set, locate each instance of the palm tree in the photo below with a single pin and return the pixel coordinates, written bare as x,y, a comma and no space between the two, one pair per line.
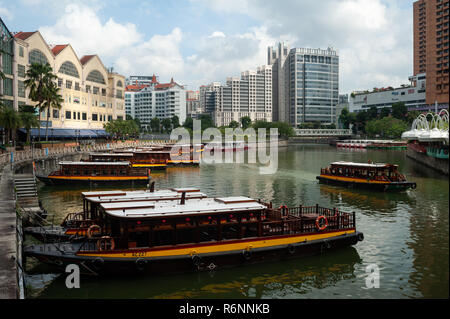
10,121
52,100
28,121
38,77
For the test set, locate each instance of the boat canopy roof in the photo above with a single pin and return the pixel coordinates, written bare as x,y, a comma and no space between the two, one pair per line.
95,163
111,154
192,207
145,196
103,193
366,165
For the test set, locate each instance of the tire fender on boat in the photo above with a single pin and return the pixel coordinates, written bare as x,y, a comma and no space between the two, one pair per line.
291,249
98,263
247,254
413,186
360,237
196,260
141,263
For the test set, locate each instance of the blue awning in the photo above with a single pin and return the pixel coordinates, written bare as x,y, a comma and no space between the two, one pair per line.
66,133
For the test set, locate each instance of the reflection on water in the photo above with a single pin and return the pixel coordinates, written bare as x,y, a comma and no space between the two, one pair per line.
406,234
286,279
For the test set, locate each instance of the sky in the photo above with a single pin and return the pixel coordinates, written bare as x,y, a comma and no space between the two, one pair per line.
197,42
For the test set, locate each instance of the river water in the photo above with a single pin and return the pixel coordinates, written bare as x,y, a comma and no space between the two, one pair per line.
406,235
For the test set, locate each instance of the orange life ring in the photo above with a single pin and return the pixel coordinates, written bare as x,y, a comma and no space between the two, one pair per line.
324,225
91,229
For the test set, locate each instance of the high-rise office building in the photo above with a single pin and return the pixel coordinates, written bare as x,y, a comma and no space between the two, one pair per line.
250,95
431,48
306,84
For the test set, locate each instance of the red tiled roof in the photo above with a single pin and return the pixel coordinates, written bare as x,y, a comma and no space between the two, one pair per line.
24,35
86,58
154,79
58,48
135,87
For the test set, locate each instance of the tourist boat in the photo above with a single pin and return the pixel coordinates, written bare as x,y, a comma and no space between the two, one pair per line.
387,145
96,172
77,225
164,156
200,235
377,176
157,160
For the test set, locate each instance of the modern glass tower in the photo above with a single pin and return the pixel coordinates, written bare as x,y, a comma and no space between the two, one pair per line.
313,85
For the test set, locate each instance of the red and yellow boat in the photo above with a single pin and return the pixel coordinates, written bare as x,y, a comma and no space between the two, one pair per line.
375,176
203,234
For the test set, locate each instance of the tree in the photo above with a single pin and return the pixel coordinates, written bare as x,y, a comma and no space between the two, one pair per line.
175,121
233,124
399,110
246,121
372,113
206,121
385,111
386,127
28,121
346,118
189,123
155,124
38,76
10,121
52,101
167,125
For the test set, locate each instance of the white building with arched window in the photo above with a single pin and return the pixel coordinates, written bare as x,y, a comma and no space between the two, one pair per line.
92,95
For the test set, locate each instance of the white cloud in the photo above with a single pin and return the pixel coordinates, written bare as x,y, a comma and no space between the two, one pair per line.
5,12
374,39
80,26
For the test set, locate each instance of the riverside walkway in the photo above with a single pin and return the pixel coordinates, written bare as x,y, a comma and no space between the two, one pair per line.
11,275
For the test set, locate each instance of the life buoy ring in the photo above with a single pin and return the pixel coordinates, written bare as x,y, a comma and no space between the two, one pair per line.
104,242
152,161
291,249
324,225
246,254
91,230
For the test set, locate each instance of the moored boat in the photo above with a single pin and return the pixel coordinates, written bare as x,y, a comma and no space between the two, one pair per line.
77,225
376,176
96,172
203,234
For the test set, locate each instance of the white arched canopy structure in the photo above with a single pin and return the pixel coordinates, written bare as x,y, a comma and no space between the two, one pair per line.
429,127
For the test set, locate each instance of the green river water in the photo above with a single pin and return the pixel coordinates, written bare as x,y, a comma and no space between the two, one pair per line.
405,234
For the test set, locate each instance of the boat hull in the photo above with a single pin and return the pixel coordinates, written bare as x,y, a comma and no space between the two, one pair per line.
49,180
139,265
372,185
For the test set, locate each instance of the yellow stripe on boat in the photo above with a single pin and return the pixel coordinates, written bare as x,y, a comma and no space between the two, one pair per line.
352,179
99,178
217,248
148,165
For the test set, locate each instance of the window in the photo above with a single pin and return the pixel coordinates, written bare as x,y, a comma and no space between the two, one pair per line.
68,84
104,92
84,116
60,82
78,115
21,88
95,117
95,90
20,51
88,89
96,76
74,115
21,70
68,115
77,86
7,63
119,84
36,56
55,114
69,69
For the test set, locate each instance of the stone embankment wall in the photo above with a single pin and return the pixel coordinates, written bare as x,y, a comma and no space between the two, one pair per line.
438,164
